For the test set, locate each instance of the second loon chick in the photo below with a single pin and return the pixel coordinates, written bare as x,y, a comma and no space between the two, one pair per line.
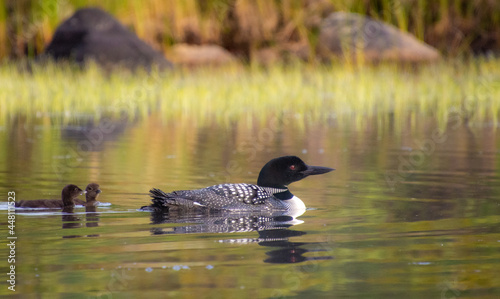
91,193
270,194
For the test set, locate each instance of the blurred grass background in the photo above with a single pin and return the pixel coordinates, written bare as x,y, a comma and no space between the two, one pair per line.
51,93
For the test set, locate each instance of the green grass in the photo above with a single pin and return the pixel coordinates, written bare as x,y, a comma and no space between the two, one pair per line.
61,94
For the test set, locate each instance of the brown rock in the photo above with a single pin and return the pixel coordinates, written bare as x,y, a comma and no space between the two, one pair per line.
267,56
284,53
358,37
194,55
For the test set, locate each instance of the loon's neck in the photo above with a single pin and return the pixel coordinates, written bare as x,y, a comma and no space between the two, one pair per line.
285,195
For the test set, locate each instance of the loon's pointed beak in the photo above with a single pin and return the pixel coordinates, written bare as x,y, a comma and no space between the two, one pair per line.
313,170
98,191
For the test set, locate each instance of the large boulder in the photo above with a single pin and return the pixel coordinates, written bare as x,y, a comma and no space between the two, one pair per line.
358,37
93,34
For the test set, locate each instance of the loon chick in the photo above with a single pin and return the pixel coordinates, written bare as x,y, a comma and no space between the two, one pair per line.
270,194
68,195
91,193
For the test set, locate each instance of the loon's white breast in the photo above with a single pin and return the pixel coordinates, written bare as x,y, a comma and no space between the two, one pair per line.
295,205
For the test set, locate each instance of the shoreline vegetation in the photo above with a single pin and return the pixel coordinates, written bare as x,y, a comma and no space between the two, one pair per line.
54,94
247,28
292,87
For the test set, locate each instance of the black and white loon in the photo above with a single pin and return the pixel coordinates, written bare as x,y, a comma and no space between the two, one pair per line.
270,194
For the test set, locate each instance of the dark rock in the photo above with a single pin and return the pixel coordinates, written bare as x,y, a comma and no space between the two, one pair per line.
93,34
358,37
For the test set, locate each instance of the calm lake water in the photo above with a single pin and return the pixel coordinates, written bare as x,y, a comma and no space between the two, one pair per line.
412,210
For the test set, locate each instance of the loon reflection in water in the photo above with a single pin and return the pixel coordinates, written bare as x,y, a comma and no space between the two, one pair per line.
273,232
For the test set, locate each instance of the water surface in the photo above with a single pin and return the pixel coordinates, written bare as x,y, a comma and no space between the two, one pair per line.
412,210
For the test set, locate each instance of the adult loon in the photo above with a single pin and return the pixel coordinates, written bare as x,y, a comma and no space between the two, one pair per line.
270,194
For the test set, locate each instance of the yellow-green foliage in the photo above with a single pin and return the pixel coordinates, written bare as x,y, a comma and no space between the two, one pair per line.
306,93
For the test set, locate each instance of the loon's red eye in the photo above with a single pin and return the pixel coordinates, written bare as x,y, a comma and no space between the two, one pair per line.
292,167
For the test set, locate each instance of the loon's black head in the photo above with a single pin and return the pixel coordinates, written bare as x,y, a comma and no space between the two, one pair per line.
280,172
